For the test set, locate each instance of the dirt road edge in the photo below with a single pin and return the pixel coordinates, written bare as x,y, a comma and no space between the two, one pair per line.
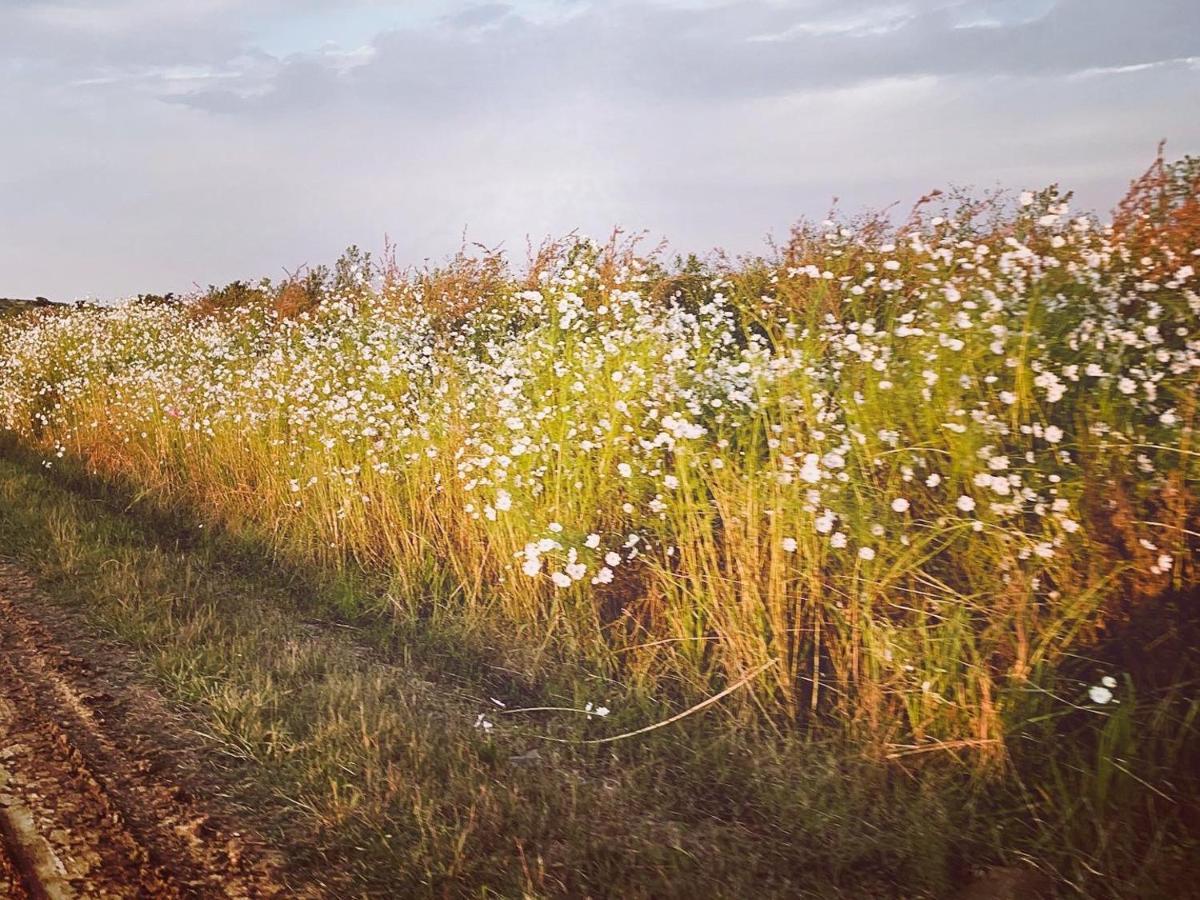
37,864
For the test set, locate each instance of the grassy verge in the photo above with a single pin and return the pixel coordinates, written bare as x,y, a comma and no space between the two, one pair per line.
355,740
923,498
365,758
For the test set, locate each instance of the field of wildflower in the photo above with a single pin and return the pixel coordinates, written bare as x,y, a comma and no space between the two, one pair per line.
893,480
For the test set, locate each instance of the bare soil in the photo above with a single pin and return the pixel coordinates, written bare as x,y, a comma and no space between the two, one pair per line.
102,793
12,885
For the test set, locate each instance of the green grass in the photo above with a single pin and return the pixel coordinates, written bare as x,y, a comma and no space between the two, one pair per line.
365,758
918,504
354,741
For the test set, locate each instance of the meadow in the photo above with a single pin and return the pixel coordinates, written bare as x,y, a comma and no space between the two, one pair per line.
927,488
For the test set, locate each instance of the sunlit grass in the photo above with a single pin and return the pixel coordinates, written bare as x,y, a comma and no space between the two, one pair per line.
904,471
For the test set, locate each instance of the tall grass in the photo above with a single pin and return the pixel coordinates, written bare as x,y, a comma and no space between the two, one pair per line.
905,471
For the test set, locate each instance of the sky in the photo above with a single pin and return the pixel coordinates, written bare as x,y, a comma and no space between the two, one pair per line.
154,146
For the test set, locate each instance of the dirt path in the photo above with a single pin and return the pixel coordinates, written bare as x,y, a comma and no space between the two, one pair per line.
12,885
99,791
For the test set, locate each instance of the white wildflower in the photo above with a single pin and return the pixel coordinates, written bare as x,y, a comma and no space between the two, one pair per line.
1099,694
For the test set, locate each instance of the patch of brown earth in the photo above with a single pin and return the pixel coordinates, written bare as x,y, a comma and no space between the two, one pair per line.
100,792
12,884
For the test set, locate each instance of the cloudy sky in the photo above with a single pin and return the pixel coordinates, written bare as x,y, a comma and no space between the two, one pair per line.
152,146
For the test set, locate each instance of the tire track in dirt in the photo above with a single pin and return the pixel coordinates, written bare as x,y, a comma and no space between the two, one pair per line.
94,792
12,883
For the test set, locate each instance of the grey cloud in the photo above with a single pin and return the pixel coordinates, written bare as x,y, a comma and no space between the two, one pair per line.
70,37
481,16
734,51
